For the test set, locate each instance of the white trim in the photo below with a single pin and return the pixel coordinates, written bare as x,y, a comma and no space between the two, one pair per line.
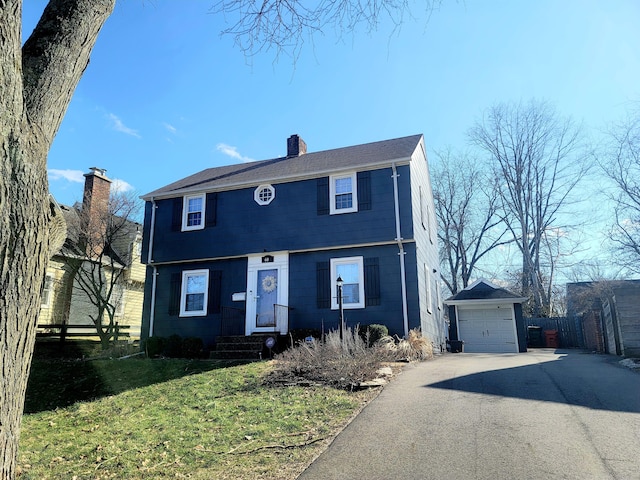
185,212
258,191
183,293
52,277
277,180
152,311
254,264
401,252
333,210
427,279
335,262
291,252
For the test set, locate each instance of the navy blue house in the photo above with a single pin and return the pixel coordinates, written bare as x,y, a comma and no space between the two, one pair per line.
258,247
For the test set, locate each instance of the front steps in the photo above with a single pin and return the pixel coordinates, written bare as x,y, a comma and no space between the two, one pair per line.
240,347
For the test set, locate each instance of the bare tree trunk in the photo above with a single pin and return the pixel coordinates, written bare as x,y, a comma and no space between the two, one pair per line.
36,85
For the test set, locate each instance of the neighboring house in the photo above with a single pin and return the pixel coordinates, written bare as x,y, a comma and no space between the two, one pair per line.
609,315
63,301
258,247
488,319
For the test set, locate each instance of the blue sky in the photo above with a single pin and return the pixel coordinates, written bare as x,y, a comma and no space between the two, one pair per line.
166,96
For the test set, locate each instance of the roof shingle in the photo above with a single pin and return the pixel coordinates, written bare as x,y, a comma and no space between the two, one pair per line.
290,168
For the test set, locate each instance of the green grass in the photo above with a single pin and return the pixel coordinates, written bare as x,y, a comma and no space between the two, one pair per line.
173,419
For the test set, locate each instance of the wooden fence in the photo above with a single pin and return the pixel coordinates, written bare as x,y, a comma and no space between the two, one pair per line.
568,333
63,331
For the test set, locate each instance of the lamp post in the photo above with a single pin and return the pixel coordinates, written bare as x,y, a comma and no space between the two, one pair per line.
339,283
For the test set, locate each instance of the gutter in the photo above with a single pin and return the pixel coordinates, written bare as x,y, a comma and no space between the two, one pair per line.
401,253
152,229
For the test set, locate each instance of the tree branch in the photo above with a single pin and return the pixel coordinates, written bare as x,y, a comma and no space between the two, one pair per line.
55,57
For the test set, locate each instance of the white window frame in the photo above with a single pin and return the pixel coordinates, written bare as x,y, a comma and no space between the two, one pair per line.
48,290
332,193
185,212
186,274
334,263
258,191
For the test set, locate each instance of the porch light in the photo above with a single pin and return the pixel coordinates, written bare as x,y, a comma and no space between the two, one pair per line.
339,283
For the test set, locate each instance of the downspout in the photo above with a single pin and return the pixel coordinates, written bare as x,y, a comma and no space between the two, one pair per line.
402,253
152,310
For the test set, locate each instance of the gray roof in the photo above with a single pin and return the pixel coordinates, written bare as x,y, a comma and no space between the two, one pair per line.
284,169
484,290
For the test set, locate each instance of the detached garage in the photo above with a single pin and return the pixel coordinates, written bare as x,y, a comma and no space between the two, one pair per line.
488,319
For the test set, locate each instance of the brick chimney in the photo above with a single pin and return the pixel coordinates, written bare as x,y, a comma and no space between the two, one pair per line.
95,207
295,146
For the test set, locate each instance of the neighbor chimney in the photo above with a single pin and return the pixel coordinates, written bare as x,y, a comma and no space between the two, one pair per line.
295,146
95,207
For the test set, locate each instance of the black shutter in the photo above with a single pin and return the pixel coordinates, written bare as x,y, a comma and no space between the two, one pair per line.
174,294
371,282
176,217
211,209
323,196
323,285
215,291
364,191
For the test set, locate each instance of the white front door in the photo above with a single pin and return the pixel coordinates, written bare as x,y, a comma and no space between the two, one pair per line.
267,293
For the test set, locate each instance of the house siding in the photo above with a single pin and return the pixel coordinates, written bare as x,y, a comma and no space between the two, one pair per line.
427,259
304,311
290,222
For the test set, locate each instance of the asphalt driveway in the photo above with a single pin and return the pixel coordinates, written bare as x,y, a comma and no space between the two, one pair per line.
545,414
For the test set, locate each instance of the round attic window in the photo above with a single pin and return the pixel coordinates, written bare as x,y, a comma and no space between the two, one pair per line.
264,194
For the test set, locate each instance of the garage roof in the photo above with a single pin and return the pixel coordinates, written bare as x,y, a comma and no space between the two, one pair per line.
483,291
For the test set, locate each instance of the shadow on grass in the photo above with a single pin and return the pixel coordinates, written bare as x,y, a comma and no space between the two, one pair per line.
61,379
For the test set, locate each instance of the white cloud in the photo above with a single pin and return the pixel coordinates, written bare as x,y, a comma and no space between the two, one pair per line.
232,152
69,175
120,186
118,126
170,128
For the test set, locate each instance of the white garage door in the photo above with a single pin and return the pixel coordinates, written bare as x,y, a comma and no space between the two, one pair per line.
487,330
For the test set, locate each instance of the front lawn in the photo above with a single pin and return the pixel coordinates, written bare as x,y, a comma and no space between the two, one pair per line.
173,419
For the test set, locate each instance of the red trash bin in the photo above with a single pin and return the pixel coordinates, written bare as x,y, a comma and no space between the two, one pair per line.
551,338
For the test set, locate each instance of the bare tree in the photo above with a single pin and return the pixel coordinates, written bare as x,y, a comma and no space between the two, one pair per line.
259,25
539,158
98,254
467,206
620,161
37,81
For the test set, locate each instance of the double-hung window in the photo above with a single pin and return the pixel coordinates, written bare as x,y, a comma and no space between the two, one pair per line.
193,212
351,271
194,293
343,193
47,290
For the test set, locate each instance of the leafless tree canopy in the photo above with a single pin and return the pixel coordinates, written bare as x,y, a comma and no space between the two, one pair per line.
539,158
621,163
98,252
469,224
259,25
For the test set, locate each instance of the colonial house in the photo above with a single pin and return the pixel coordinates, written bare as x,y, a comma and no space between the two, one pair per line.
63,298
265,247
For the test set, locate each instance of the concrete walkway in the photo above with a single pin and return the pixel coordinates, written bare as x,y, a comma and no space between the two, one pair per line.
545,414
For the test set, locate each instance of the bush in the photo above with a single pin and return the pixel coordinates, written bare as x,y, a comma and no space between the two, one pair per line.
173,346
340,363
373,333
298,335
192,347
154,346
413,348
